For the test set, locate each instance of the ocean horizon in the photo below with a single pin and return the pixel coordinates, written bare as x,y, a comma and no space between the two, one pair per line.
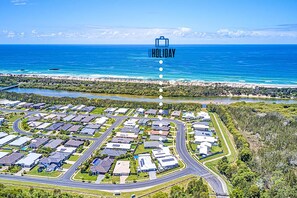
254,64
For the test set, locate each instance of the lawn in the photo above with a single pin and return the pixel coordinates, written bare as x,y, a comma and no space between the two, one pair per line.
98,134
74,158
98,110
140,149
112,180
34,171
140,176
85,176
66,166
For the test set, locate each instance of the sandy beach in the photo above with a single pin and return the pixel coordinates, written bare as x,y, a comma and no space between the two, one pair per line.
153,81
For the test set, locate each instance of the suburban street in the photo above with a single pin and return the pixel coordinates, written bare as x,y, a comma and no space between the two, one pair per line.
192,166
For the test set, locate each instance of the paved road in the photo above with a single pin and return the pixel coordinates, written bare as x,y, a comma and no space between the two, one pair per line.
192,166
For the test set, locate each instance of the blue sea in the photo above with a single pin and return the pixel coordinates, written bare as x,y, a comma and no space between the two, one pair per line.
261,64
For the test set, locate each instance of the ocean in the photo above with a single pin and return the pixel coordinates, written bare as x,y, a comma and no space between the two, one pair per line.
261,64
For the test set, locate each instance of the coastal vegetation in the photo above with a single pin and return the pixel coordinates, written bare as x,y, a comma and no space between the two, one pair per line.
34,98
265,136
147,88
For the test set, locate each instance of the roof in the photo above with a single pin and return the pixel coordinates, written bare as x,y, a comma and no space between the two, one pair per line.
143,121
167,161
163,112
44,125
7,139
93,126
151,111
121,146
122,167
205,139
203,133
162,128
131,122
88,131
78,118
126,135
50,116
2,154
2,134
140,110
161,123
29,159
38,142
158,137
34,124
68,118
54,143
153,144
110,109
74,143
101,120
122,110
55,126
64,149
130,130
11,159
145,162
55,157
74,128
200,126
88,109
103,166
176,113
153,132
88,119
122,140
162,152
113,152
65,127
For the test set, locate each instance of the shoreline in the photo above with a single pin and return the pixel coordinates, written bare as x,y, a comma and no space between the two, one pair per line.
150,81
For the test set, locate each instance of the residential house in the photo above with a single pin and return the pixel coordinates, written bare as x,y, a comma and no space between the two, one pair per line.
151,112
110,110
160,138
122,111
54,143
176,114
11,159
168,162
7,139
122,168
73,143
36,143
113,152
101,166
153,144
29,161
145,163
20,141
88,131
120,146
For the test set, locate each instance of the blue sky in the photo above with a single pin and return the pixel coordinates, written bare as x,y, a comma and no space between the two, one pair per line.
140,21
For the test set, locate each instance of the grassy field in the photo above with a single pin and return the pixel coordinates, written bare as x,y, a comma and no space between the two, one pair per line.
98,110
66,166
35,172
112,180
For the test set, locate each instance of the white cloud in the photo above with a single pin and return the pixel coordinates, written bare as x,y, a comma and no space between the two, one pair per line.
19,2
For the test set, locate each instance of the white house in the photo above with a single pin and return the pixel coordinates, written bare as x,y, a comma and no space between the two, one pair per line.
200,139
101,120
131,122
200,127
145,163
122,111
30,160
121,146
162,152
188,115
204,148
167,162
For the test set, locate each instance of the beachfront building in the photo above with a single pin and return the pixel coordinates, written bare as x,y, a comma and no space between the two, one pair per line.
122,168
145,163
29,161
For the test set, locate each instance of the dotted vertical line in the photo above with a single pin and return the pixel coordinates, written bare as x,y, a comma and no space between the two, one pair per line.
161,89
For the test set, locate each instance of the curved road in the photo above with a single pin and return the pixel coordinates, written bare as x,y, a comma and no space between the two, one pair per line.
192,166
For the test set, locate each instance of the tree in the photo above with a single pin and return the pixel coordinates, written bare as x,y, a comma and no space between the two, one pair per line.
237,193
245,155
254,191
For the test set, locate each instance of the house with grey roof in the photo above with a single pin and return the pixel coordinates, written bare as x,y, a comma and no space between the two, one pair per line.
53,161
73,143
151,112
113,152
102,166
78,118
93,126
54,126
88,119
39,106
88,109
65,127
88,131
130,130
143,122
11,159
68,118
160,138
153,144
36,143
161,123
203,133
54,143
74,128
122,140
176,113
162,128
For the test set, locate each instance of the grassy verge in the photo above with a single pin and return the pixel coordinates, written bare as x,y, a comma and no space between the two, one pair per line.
35,172
74,158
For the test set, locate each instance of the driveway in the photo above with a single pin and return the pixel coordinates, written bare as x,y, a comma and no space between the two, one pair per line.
123,179
152,174
99,178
